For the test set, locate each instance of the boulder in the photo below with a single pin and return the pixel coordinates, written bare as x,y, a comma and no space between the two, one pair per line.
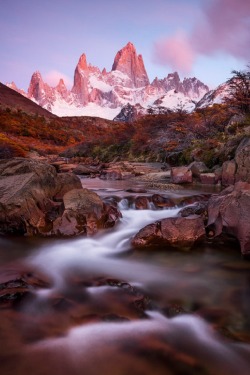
198,208
162,202
228,172
84,213
27,188
87,170
218,174
35,200
198,167
141,203
208,178
66,182
228,213
181,175
178,232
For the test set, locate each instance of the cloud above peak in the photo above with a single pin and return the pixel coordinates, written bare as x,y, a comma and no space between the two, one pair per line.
223,28
54,76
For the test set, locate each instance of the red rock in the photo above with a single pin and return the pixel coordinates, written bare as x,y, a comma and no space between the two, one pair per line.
228,213
141,203
207,178
160,201
127,62
181,175
180,232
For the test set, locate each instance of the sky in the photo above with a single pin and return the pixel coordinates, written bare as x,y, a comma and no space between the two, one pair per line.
202,38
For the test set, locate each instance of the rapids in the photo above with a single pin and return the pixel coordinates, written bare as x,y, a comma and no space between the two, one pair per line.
111,310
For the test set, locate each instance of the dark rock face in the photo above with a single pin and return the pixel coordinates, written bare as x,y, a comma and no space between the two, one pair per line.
180,232
35,200
228,213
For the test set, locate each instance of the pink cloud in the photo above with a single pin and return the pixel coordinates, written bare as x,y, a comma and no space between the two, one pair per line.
53,77
176,52
223,27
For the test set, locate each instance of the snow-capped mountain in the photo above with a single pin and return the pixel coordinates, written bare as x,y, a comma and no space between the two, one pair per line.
214,96
104,94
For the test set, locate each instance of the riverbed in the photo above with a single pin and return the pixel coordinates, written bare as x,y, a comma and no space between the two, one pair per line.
101,307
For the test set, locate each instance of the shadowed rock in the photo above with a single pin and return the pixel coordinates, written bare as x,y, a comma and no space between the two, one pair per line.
228,213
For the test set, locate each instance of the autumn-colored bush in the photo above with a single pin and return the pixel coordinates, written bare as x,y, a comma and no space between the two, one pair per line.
9,148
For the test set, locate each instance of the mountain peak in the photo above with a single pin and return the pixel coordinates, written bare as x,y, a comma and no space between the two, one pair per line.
128,62
130,46
82,63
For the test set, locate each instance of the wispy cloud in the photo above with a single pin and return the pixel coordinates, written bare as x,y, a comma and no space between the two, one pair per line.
224,28
53,77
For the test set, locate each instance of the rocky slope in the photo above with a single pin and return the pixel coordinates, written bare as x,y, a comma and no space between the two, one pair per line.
104,94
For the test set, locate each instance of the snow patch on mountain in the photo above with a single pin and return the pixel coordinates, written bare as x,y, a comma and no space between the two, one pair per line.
60,108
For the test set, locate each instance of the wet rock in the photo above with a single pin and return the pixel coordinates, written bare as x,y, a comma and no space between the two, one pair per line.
208,178
228,212
160,201
181,175
111,174
198,208
136,190
141,203
83,169
84,213
180,232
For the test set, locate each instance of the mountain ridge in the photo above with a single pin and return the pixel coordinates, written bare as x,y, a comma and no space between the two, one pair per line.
104,94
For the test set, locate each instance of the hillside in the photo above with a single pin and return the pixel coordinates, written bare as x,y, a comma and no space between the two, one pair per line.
15,101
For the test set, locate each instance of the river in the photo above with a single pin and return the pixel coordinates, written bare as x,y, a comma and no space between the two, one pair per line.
104,308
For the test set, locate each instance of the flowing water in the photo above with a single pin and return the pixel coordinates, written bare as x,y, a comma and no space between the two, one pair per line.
103,308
